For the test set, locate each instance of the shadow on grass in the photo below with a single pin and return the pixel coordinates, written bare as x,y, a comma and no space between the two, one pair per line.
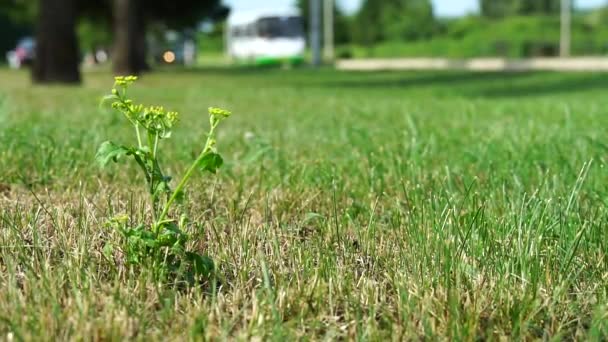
559,84
458,83
419,79
479,84
232,70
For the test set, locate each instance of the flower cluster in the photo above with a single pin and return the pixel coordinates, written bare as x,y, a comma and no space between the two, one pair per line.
127,107
154,119
217,114
124,81
157,121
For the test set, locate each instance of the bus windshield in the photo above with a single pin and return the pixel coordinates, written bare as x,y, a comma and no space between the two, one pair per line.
280,27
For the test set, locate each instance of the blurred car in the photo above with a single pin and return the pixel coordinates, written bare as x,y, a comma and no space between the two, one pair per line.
23,54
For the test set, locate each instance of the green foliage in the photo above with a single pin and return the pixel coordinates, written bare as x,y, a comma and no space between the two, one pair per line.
506,28
163,242
367,27
212,41
109,151
404,20
16,17
21,11
211,162
94,33
512,37
408,20
505,8
10,33
342,24
183,13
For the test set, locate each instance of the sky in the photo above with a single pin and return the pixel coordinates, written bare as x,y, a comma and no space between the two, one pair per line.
443,8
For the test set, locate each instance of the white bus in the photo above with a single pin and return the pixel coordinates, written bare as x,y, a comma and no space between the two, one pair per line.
266,37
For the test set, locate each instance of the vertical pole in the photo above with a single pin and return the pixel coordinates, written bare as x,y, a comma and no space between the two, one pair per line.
564,46
315,31
328,26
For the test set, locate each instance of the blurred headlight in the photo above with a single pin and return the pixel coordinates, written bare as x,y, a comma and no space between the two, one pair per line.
169,56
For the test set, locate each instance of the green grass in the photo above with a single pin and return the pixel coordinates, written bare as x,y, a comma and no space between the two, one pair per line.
352,206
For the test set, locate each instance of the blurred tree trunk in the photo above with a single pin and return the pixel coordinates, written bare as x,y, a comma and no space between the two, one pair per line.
129,53
56,45
141,47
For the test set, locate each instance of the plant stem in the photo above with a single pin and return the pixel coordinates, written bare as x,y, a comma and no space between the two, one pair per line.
187,176
153,180
155,144
138,135
151,145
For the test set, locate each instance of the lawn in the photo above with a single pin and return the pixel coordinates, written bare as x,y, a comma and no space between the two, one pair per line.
365,206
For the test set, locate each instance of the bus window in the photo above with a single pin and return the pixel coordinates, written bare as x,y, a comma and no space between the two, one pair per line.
275,27
235,32
251,31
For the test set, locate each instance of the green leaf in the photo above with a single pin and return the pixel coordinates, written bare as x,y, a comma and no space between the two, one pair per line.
109,151
161,187
165,134
171,235
211,162
149,241
180,196
202,265
108,251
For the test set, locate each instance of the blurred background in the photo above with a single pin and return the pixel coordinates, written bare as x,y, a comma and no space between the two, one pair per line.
58,38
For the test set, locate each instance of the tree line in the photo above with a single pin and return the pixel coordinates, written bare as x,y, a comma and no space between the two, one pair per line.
412,20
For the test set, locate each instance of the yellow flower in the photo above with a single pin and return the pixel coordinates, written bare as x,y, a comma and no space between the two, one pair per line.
124,81
214,111
172,117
